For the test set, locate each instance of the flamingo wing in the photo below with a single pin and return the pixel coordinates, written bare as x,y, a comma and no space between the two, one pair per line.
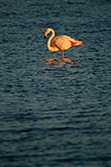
62,42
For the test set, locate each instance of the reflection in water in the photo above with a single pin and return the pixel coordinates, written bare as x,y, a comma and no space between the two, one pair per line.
60,62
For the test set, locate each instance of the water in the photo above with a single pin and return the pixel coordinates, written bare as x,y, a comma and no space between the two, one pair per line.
55,114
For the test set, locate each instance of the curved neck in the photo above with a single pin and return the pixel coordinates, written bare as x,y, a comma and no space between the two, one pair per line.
49,40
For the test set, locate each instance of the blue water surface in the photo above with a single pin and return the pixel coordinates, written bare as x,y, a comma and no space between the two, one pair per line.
55,114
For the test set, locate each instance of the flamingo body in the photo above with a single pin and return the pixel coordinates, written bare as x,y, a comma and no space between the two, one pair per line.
62,43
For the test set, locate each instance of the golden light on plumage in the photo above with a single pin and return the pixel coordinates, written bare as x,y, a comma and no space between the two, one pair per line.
62,43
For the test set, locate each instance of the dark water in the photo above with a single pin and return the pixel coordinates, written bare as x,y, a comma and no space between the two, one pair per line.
56,114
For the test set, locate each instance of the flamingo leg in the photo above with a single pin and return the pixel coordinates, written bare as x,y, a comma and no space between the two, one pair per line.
62,54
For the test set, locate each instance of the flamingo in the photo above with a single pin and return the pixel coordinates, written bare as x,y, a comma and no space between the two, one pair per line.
62,43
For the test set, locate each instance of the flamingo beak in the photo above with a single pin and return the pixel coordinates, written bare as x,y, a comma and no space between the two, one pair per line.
45,35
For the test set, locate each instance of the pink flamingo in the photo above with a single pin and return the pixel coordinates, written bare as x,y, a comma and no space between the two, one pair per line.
62,43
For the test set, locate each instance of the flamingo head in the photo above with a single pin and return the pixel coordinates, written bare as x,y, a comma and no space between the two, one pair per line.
47,32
